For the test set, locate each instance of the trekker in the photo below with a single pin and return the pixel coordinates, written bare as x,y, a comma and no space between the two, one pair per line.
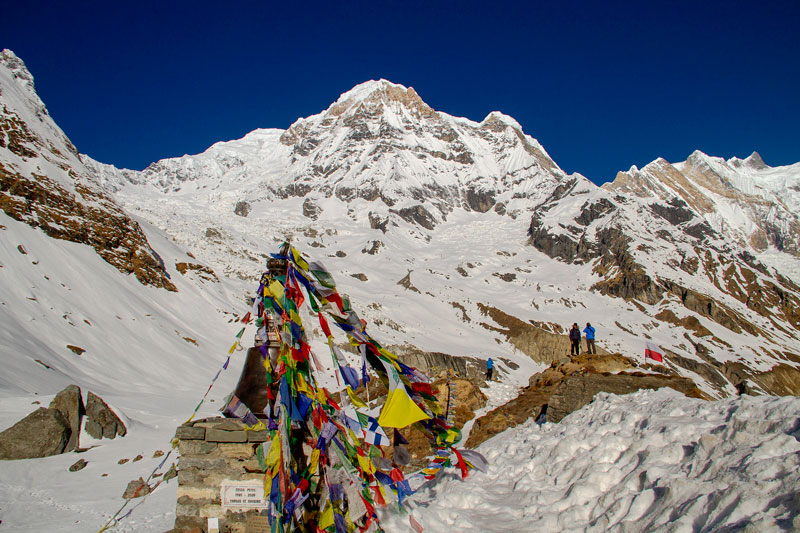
589,330
575,337
489,369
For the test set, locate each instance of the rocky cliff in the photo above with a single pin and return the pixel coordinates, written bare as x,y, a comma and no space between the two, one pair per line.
44,183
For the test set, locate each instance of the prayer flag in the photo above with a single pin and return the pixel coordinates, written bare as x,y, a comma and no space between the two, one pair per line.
399,410
321,273
374,433
358,402
350,376
476,459
298,259
326,519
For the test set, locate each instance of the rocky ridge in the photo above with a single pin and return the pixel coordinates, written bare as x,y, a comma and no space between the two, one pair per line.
44,183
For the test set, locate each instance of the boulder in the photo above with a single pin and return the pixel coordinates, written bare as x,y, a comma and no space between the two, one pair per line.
101,421
136,488
80,464
70,404
243,208
42,433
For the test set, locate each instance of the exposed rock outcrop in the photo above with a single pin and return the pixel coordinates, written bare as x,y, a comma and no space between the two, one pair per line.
538,343
70,404
87,216
203,272
242,208
101,421
311,209
569,384
42,433
578,390
433,363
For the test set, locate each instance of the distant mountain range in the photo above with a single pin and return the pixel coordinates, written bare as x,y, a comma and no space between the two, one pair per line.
451,235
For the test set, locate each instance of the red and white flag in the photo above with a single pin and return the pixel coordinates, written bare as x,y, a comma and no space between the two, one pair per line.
653,351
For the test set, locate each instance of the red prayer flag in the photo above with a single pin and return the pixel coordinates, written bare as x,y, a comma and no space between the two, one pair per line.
461,464
324,325
336,299
396,474
378,496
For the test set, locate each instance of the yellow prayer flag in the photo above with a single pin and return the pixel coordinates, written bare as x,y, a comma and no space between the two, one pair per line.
299,261
301,384
233,348
358,402
389,355
274,454
400,410
323,400
326,519
295,318
276,290
366,464
258,426
313,462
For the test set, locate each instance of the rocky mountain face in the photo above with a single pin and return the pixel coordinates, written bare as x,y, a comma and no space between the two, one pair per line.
44,183
470,225
690,239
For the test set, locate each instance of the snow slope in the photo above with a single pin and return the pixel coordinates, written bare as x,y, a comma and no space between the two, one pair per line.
136,359
648,461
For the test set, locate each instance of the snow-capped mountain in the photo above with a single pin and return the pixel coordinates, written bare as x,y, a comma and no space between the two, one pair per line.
377,141
448,235
699,255
744,200
456,219
702,241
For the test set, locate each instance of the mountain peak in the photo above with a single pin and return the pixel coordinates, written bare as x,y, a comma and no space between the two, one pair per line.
754,160
18,70
363,90
377,92
496,118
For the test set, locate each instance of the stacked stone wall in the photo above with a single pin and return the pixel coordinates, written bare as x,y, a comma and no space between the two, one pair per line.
216,452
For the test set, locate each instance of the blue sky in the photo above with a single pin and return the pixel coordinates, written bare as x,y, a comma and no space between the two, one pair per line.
602,85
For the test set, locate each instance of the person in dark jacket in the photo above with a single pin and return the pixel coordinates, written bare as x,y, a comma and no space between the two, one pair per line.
589,331
575,337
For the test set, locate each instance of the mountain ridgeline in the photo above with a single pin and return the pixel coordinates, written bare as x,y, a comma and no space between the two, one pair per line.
702,256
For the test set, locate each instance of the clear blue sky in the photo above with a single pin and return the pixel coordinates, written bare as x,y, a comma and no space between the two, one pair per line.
602,85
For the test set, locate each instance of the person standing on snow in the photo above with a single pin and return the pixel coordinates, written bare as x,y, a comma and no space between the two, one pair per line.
489,369
589,330
575,337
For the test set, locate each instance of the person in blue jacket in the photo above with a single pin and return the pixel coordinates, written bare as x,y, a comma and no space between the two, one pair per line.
489,369
589,331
